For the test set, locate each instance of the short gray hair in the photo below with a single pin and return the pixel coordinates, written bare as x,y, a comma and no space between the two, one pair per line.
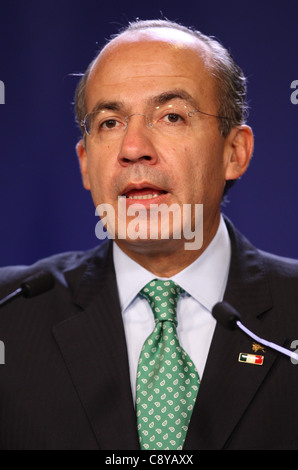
231,82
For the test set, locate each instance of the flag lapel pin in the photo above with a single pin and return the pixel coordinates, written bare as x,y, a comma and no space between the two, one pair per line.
251,359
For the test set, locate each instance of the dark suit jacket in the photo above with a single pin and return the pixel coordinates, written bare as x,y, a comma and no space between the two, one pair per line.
65,382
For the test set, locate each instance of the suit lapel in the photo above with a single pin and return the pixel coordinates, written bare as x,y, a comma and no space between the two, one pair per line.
227,386
93,346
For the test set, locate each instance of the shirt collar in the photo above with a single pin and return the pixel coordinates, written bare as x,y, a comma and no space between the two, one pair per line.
205,279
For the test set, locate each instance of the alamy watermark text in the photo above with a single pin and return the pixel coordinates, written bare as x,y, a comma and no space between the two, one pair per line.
2,353
2,92
294,94
158,222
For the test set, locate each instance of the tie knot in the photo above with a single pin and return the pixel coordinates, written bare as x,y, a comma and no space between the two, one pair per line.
163,298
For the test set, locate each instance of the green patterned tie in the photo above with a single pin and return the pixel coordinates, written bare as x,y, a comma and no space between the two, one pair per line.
167,380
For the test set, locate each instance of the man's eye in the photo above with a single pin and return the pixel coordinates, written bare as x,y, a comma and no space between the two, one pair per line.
109,124
173,118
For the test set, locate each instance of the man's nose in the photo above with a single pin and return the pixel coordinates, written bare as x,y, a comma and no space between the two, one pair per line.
137,142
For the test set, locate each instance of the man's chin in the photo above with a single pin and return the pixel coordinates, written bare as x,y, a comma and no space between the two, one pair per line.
149,246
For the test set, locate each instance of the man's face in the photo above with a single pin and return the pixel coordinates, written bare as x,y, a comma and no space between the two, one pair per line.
183,168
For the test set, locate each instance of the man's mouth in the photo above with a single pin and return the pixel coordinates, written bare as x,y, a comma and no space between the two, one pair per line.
143,193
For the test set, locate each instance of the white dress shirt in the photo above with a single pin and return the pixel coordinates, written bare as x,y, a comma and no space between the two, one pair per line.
204,282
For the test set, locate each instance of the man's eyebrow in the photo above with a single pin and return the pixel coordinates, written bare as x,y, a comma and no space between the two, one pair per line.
111,105
157,100
169,95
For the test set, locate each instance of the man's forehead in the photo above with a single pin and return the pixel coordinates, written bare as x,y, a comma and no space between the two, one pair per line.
157,56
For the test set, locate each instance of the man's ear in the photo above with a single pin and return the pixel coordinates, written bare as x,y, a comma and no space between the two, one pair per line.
239,150
82,156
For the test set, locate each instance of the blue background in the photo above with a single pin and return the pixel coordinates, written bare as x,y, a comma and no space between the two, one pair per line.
43,206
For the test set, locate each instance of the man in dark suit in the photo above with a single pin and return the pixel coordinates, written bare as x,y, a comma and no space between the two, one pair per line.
162,113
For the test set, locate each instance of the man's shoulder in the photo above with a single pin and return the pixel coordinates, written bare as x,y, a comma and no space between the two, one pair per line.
57,264
278,265
259,275
282,273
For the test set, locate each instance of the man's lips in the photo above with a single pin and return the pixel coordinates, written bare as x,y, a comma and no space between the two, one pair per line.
143,192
